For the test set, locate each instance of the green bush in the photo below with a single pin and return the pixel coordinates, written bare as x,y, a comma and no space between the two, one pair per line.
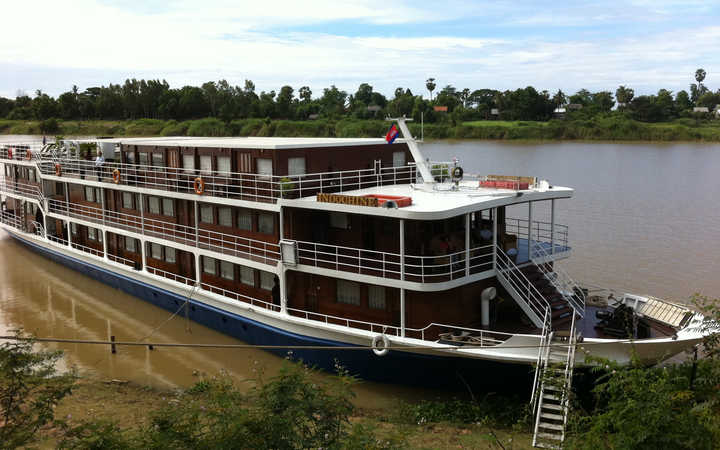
207,127
173,128
144,127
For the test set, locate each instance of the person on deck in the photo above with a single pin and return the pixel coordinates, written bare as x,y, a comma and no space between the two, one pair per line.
99,161
276,291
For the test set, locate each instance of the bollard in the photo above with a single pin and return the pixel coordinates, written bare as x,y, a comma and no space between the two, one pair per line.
112,346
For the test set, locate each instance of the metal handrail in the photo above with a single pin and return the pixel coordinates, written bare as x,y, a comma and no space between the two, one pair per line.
541,231
11,220
90,250
561,281
520,283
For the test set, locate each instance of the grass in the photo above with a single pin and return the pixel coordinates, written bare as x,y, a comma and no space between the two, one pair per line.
503,123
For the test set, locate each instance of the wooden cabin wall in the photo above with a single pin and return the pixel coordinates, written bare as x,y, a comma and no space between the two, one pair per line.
459,306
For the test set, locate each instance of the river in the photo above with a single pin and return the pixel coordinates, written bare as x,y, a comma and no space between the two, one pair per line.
644,219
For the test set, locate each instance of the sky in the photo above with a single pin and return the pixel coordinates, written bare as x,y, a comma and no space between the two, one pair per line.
598,45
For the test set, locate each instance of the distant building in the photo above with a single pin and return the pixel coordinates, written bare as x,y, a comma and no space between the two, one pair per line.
374,108
701,109
573,107
559,113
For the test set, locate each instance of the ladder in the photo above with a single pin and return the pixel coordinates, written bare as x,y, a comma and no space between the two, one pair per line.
552,401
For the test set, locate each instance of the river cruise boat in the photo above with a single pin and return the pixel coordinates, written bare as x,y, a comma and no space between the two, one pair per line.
433,274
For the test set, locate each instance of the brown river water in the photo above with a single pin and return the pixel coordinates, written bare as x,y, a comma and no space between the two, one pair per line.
645,219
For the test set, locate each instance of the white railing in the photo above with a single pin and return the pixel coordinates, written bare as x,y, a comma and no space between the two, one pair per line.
11,219
246,186
38,227
542,358
239,297
523,291
92,251
58,240
561,281
21,151
423,269
541,231
21,187
171,276
121,260
227,244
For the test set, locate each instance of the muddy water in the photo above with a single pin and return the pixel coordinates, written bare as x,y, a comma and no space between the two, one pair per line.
645,218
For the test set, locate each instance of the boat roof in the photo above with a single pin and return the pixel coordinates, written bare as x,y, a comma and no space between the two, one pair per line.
436,201
274,143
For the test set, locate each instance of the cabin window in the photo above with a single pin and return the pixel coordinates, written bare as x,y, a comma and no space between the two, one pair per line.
398,159
98,195
245,163
154,205
267,280
74,228
296,165
156,251
244,219
144,159
223,164
339,220
348,292
170,256
138,201
209,265
127,200
130,157
247,275
130,245
227,270
206,214
263,166
189,163
205,164
376,297
168,207
92,234
225,217
157,159
89,194
266,223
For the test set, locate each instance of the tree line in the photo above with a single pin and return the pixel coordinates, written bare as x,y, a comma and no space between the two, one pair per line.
155,99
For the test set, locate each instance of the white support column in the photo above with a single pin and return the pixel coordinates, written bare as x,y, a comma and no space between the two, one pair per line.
402,277
283,287
69,233
142,241
402,312
143,251
198,280
495,240
467,244
530,224
552,226
197,225
103,233
102,203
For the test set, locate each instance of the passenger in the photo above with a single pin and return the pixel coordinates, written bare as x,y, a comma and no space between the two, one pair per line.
276,291
99,161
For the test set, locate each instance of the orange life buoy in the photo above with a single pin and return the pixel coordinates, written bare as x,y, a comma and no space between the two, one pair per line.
199,186
28,155
116,176
58,170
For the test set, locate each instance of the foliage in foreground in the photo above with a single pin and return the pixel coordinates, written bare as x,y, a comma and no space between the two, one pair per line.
30,388
293,410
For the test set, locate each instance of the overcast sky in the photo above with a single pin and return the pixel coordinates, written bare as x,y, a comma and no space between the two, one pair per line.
598,45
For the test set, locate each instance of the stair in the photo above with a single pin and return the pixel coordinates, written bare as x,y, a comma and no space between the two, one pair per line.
561,310
555,382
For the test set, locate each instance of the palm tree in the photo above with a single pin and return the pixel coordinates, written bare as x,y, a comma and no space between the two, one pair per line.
559,98
624,95
430,85
700,75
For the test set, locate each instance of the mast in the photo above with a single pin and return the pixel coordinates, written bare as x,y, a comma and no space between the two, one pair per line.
419,158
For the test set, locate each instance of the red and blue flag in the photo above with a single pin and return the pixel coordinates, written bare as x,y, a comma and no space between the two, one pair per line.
392,134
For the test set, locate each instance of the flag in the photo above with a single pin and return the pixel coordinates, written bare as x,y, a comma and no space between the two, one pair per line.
392,134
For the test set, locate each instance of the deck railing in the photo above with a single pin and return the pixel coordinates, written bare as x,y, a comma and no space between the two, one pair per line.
423,269
227,244
11,219
541,231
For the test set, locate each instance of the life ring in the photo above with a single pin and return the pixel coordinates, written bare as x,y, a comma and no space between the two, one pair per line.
28,155
457,172
199,186
58,170
380,345
116,176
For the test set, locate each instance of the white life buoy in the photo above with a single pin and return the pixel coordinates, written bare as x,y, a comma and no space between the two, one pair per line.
380,345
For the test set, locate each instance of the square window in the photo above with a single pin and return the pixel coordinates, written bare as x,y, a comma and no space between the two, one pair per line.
74,228
98,195
339,220
189,163
92,234
225,217
168,207
170,255
376,297
348,292
244,219
223,164
130,245
247,275
144,159
296,166
263,166
154,205
267,280
227,270
157,159
266,223
89,194
209,265
205,164
130,157
127,200
156,251
206,214
398,159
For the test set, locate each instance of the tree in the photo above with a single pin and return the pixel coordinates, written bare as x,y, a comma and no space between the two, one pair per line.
559,99
430,85
700,75
624,96
305,94
682,101
285,103
464,95
333,101
30,388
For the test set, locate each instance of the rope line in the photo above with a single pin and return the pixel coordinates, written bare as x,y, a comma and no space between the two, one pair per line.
301,347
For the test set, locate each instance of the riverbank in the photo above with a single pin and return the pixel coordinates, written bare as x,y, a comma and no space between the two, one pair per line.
608,128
